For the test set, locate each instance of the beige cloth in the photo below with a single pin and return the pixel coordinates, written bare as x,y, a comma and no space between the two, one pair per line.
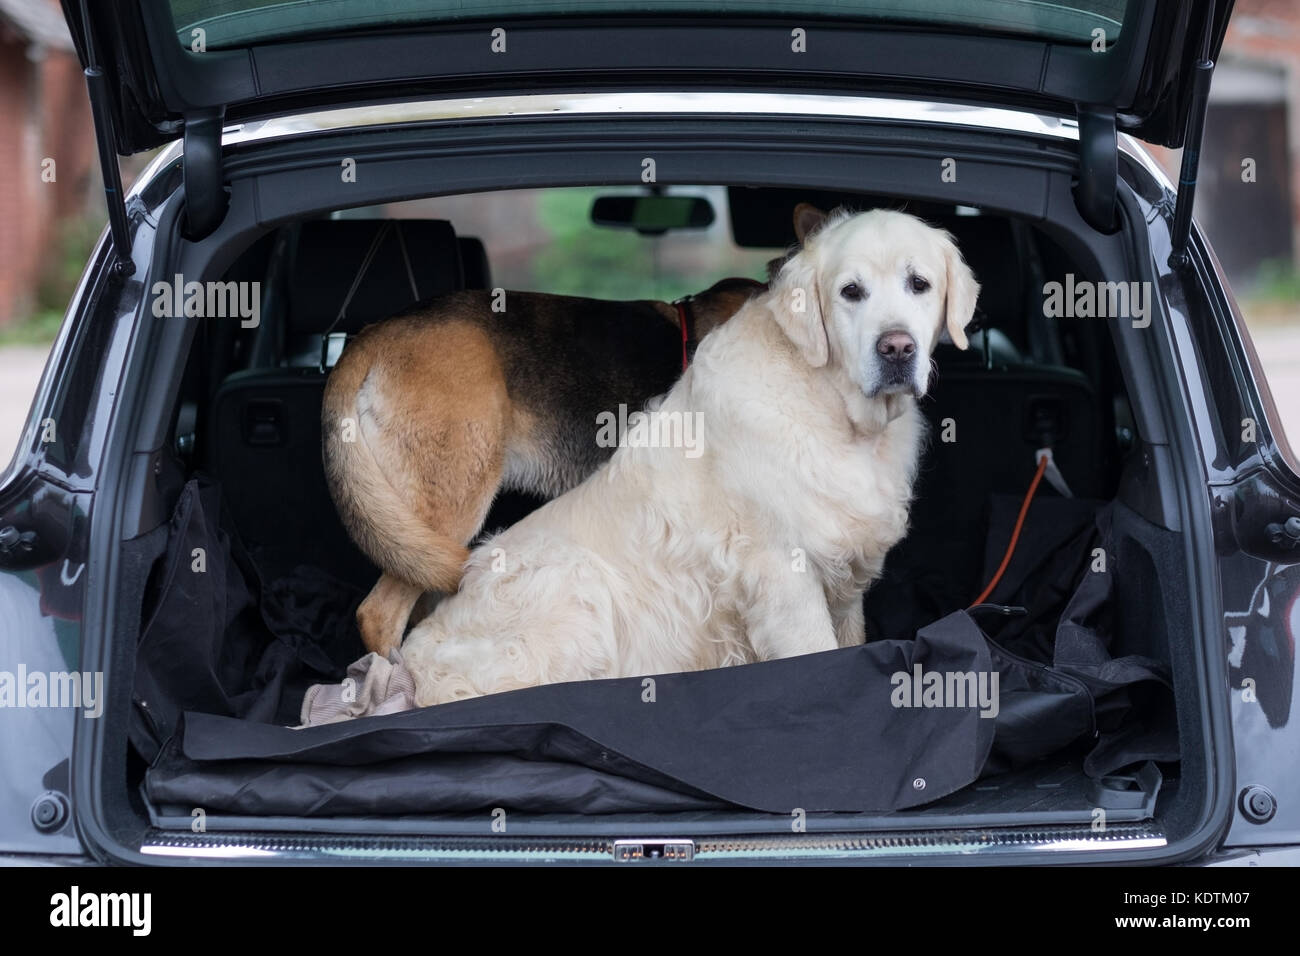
374,686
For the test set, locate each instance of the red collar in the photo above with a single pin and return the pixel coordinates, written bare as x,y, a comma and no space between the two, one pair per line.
686,319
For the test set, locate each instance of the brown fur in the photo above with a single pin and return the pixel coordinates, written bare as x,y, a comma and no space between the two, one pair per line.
451,403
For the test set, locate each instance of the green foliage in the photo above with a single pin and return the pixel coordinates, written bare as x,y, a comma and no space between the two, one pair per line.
1276,281
38,328
69,254
72,248
581,259
610,263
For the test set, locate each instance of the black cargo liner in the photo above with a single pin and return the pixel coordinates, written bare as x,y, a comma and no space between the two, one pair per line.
1054,792
768,737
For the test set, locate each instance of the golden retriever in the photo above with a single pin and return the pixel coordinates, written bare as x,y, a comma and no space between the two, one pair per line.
758,540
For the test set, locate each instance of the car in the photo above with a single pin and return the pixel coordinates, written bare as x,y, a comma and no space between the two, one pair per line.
173,571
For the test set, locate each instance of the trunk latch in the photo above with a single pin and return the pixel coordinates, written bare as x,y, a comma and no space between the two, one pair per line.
669,851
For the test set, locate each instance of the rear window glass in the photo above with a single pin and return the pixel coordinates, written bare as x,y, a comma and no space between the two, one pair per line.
227,23
544,240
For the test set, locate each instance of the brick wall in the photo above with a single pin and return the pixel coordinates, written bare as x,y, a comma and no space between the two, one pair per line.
1267,33
44,113
1257,80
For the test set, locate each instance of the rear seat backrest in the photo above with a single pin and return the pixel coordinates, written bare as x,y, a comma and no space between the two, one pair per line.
474,260
984,422
264,437
330,253
325,275
988,246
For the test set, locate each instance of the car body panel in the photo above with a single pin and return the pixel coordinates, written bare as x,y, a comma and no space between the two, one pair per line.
1252,484
45,494
160,81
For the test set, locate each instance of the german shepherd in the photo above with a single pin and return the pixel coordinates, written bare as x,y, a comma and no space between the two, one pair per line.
429,414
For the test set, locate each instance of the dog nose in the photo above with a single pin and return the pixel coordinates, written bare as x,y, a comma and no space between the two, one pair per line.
895,346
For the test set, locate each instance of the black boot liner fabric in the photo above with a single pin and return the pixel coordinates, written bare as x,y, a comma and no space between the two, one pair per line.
1069,573
219,639
819,733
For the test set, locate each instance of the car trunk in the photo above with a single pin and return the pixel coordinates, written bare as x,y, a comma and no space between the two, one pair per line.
1071,740
1088,748
230,586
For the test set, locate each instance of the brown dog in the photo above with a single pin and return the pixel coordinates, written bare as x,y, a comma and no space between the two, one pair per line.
429,414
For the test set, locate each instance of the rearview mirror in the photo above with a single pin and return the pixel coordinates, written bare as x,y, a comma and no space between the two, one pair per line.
653,215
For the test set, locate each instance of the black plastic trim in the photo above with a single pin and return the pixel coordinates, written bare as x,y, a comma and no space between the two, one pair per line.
206,200
1098,168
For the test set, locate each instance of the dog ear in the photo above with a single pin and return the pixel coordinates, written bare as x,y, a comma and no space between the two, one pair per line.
807,219
798,309
962,292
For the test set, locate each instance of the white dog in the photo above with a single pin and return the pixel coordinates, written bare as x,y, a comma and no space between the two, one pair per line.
758,541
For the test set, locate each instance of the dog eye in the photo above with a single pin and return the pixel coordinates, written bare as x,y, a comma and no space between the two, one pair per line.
918,283
851,291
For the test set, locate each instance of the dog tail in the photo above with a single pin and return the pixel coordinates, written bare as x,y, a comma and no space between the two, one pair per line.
379,516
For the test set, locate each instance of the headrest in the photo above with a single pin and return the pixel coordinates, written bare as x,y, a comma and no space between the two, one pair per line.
764,218
330,253
989,248
474,260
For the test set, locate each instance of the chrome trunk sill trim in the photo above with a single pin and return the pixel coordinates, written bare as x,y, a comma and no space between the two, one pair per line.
252,847
804,105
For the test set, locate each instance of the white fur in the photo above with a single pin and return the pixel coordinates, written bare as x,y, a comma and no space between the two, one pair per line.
759,548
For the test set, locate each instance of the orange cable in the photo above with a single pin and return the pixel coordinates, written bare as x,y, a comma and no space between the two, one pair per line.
1015,535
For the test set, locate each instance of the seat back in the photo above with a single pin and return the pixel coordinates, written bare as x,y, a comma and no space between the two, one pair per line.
474,260
988,412
264,434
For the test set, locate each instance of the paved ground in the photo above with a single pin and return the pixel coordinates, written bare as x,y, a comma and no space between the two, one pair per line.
1278,346
1279,352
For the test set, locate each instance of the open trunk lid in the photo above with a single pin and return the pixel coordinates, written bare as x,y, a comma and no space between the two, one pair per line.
171,62
160,70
